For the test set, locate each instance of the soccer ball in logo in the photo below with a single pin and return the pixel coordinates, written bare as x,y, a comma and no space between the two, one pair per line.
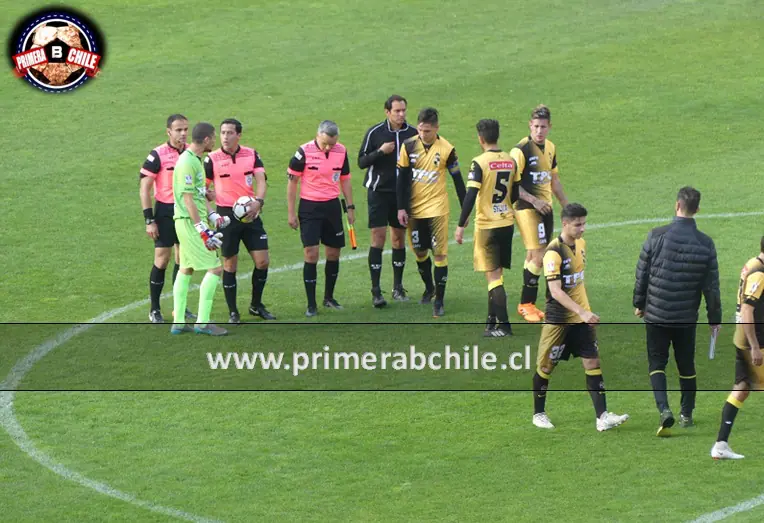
61,36
242,207
56,49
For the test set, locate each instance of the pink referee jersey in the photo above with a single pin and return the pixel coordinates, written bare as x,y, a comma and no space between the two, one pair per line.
232,174
320,172
159,165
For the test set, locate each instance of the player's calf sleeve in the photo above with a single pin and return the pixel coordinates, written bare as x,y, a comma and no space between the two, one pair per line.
206,296
229,289
658,382
425,271
498,296
441,277
175,273
596,386
259,279
531,274
689,386
375,265
156,284
540,386
730,410
399,263
331,271
180,296
309,275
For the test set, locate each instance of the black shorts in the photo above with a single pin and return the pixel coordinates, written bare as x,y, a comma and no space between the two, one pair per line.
252,234
383,210
560,342
321,222
163,216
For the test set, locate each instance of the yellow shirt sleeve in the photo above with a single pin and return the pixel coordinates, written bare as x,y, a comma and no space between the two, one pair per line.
519,158
475,177
403,159
754,285
552,264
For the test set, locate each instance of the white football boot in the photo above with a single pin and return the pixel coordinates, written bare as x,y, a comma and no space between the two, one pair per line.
541,420
610,420
722,450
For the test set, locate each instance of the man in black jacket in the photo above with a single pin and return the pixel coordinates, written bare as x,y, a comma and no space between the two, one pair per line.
379,154
677,264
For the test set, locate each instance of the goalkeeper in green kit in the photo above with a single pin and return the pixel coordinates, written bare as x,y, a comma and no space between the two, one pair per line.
199,244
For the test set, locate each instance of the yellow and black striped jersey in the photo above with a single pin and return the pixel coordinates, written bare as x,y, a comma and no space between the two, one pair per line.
749,292
492,174
429,165
567,264
536,165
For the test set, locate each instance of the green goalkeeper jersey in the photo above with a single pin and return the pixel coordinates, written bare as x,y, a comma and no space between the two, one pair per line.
189,178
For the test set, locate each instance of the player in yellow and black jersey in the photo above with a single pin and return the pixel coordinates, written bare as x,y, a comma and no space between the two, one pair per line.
489,185
749,335
569,326
536,158
423,201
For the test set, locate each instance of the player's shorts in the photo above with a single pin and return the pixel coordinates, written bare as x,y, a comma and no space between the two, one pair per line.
383,210
559,342
193,253
535,228
163,217
252,234
321,222
493,248
429,233
746,371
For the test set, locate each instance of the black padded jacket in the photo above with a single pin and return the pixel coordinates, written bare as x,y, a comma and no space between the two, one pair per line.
677,264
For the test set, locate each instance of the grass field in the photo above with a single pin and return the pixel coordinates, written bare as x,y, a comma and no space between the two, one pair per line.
645,96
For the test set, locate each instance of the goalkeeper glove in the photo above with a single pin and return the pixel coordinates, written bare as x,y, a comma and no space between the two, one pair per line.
212,240
220,222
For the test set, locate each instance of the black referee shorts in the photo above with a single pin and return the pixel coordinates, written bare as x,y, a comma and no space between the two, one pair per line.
383,210
163,213
321,222
252,234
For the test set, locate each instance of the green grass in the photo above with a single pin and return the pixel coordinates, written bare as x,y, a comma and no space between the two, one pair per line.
646,97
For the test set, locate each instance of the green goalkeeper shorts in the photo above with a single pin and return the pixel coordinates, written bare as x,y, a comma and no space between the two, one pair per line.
193,253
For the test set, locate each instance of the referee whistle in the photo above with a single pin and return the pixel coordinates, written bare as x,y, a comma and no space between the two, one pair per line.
351,228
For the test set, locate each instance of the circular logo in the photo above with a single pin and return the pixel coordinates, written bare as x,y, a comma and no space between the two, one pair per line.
57,49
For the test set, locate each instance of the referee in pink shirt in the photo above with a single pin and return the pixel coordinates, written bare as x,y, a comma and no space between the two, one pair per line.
320,168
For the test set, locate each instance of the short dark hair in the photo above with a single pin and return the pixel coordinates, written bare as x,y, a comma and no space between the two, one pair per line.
541,112
488,130
232,121
428,115
201,131
394,98
174,118
573,211
689,199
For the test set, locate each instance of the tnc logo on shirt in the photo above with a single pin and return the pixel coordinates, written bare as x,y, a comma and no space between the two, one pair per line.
571,280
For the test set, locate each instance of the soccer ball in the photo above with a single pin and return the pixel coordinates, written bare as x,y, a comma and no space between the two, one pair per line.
241,208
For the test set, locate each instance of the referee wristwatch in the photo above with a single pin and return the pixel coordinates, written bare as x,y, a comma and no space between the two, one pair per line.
351,206
258,199
149,221
148,214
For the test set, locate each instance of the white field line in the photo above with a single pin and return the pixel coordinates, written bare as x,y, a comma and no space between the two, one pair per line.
11,425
